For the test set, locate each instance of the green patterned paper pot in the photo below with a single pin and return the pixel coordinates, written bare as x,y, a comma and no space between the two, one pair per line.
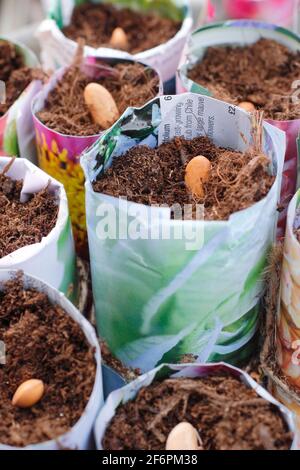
16,126
157,297
243,32
80,435
188,371
58,50
53,259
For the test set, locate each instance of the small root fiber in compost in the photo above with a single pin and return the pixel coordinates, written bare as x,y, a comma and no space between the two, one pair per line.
157,176
66,112
23,224
42,342
227,414
96,23
261,73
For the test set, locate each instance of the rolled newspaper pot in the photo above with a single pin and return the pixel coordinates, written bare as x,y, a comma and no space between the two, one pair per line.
59,153
58,50
79,437
55,252
246,32
288,315
16,126
220,319
129,392
281,12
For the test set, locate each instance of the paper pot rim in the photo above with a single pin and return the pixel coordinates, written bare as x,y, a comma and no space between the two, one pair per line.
34,58
36,248
88,181
91,338
117,397
185,29
60,73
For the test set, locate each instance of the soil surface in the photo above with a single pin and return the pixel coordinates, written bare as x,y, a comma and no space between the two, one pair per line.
156,176
66,111
95,24
14,73
262,73
227,415
23,224
42,342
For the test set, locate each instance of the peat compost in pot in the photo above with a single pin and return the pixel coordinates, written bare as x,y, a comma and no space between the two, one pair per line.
254,66
70,114
104,25
169,174
35,227
14,73
219,411
49,372
260,75
288,314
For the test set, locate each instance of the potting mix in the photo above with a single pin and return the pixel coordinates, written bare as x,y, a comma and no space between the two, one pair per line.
43,344
66,125
160,229
24,223
18,70
288,321
153,31
261,74
227,415
134,175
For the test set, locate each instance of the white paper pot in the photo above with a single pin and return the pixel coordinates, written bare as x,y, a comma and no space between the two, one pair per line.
58,50
80,436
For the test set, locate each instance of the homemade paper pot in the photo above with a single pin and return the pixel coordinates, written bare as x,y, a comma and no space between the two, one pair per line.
130,391
58,50
59,154
175,298
80,437
56,251
243,32
16,127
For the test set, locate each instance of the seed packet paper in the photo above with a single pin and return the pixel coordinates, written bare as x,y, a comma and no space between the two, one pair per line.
194,294
57,50
129,392
16,126
243,32
53,259
80,436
